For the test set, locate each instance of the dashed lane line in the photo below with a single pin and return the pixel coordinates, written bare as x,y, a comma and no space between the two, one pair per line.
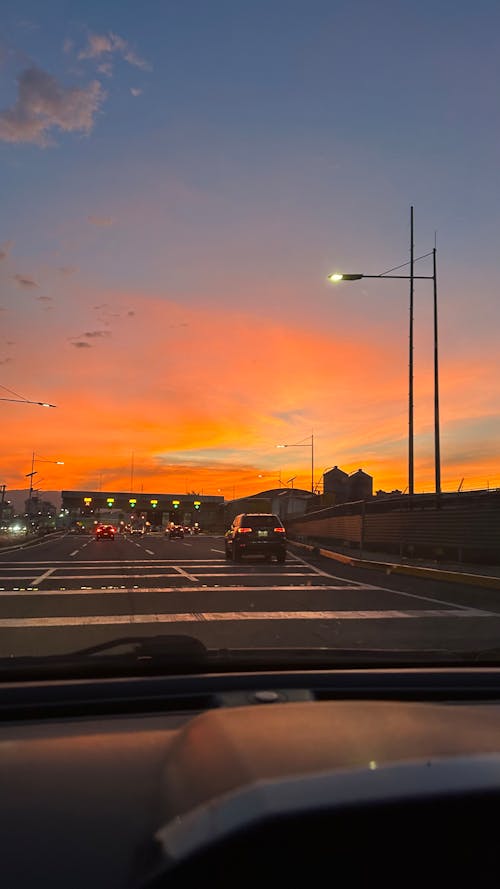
75,552
150,551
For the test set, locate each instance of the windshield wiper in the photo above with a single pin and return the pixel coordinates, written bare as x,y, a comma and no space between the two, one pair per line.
177,653
169,652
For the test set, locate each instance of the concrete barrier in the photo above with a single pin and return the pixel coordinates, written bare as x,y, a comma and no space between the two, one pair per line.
464,577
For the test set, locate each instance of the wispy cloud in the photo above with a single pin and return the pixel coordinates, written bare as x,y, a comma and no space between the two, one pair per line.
135,91
6,360
94,334
44,299
100,220
67,270
104,45
5,249
81,345
23,281
43,105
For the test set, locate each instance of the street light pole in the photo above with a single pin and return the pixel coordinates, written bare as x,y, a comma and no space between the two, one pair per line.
437,446
34,472
301,445
337,276
411,473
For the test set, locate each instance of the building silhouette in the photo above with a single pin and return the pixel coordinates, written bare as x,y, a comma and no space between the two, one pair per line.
346,488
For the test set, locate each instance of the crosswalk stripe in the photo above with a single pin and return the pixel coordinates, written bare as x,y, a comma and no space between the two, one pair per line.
221,616
83,591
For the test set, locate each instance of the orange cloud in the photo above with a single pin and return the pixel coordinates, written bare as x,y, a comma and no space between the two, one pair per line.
201,396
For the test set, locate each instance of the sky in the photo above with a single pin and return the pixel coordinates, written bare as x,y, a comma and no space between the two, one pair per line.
178,178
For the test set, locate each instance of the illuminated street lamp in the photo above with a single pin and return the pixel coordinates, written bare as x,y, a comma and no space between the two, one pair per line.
27,401
34,472
304,444
19,399
337,277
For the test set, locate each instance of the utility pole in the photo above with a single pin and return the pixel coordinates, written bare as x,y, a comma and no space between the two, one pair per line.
410,368
437,447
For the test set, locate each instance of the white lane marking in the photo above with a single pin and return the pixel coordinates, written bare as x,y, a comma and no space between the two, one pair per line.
422,598
199,617
212,550
150,551
62,562
43,576
184,574
75,552
84,591
167,572
236,573
313,568
186,544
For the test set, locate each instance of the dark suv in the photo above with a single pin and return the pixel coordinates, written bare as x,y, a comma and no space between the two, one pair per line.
256,533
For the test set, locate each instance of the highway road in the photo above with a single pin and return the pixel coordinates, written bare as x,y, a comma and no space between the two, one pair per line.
66,593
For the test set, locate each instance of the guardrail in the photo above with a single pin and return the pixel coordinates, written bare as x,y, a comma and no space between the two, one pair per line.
449,528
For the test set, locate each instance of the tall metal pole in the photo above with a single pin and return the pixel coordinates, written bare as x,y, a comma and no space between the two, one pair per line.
410,370
31,483
312,463
437,449
132,473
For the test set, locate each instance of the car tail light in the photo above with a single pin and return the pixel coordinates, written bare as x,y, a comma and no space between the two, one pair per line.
244,530
280,530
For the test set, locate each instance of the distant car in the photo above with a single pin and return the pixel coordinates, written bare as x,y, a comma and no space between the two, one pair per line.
260,534
105,531
176,531
188,529
137,529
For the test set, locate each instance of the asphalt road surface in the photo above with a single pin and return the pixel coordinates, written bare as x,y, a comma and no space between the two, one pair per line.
73,591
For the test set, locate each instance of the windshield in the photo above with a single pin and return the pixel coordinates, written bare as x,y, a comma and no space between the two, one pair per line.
248,265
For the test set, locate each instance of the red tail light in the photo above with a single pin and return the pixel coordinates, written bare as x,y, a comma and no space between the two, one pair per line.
244,530
280,530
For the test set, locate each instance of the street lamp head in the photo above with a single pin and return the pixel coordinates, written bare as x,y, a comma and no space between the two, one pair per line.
281,446
339,277
59,462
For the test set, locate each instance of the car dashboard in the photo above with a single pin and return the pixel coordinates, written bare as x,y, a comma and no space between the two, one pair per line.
252,778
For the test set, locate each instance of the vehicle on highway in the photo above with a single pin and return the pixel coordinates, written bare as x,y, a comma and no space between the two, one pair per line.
256,534
137,529
175,531
105,532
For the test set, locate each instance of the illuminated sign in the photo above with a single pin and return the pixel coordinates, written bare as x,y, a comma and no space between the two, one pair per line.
176,504
197,504
87,501
110,501
132,501
154,503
